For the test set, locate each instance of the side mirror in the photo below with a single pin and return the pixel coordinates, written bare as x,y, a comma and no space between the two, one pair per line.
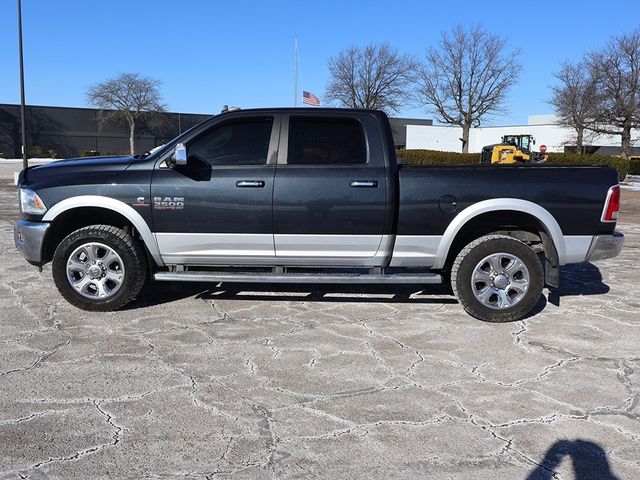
180,155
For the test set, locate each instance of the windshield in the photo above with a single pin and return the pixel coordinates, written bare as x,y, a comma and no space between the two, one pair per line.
171,143
150,152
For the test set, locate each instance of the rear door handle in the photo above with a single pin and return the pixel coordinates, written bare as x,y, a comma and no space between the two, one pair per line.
250,184
363,184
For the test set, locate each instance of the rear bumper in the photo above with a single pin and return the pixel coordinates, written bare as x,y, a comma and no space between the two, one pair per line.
29,238
605,246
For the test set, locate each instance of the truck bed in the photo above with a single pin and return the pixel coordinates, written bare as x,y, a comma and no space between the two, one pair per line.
573,195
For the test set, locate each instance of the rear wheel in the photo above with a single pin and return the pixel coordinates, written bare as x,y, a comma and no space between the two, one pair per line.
497,278
99,268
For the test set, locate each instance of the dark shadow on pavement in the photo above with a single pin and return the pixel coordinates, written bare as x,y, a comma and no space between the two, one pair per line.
537,308
578,279
589,461
157,293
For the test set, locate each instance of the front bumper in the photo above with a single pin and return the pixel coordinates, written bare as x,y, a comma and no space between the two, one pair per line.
29,238
605,246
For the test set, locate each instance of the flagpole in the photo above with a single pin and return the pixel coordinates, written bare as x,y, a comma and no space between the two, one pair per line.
25,162
295,75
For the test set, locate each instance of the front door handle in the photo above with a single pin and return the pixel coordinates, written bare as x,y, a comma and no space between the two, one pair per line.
363,184
250,184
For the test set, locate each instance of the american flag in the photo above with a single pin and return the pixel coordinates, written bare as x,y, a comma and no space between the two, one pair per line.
310,99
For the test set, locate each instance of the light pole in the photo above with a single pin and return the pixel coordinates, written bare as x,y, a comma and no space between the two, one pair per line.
23,123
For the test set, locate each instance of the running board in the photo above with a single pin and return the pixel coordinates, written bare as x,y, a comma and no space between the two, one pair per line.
266,277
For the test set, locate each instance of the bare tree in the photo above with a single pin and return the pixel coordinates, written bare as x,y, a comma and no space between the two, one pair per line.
376,77
127,97
616,69
576,99
467,77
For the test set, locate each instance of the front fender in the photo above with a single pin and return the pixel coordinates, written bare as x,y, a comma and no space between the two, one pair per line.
110,204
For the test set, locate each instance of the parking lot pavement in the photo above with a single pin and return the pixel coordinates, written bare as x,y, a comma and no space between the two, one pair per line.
249,381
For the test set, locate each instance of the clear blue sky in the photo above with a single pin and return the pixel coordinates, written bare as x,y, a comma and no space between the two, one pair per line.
210,53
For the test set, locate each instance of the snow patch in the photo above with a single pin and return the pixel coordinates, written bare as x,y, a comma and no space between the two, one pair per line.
632,183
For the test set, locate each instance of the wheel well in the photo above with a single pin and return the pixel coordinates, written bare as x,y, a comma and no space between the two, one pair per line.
520,225
71,220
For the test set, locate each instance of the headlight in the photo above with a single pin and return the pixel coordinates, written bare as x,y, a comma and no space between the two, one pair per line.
31,203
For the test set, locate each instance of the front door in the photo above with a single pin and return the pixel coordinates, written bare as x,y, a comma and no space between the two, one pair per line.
217,209
330,194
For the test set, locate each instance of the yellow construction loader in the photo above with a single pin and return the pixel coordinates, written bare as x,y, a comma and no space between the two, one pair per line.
514,149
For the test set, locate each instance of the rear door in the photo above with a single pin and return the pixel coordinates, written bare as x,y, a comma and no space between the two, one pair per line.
330,192
217,209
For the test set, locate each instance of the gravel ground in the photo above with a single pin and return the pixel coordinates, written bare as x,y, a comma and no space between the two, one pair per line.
251,381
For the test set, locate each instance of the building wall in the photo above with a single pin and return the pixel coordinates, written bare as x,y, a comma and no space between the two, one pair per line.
447,138
399,129
69,131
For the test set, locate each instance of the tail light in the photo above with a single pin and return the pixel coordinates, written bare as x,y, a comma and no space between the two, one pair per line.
612,205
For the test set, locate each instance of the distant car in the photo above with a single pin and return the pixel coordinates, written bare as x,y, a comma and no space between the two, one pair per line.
311,196
155,149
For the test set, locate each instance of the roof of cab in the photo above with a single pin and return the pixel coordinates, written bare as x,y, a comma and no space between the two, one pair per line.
301,110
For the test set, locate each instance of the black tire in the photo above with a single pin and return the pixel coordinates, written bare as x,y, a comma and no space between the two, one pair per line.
465,266
130,252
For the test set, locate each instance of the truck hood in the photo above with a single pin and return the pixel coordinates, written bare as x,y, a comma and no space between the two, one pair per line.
75,169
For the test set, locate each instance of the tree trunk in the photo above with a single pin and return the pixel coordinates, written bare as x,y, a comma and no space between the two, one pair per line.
132,137
465,137
579,140
626,141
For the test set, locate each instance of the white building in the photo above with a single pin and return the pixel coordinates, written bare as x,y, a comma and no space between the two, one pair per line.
542,127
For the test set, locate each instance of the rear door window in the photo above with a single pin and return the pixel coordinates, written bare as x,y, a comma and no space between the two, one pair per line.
326,141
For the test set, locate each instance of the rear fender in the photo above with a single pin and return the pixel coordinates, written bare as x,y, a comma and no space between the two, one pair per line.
550,224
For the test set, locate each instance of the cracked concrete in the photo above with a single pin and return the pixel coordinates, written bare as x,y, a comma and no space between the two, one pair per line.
246,381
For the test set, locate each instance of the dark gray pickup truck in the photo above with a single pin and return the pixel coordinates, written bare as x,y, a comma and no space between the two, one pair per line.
313,196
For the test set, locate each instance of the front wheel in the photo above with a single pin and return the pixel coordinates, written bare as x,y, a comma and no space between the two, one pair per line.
497,278
99,268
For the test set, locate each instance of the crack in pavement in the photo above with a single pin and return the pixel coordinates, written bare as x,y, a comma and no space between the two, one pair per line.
86,451
271,420
40,359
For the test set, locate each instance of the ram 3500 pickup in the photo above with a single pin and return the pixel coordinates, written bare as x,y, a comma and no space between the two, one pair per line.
317,196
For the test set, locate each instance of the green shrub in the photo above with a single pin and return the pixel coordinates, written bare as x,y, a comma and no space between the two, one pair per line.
434,157
618,163
38,151
634,166
89,153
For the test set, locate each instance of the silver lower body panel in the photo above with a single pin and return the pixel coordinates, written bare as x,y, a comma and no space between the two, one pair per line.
415,250
268,250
